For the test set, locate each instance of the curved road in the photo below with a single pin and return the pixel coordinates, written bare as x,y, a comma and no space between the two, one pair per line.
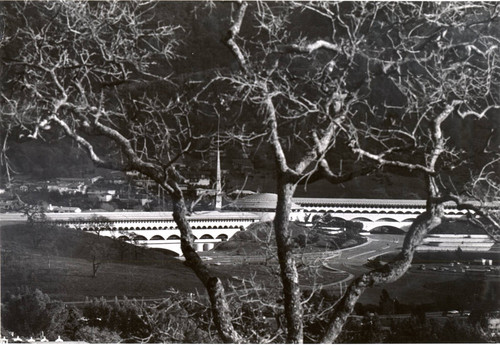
346,262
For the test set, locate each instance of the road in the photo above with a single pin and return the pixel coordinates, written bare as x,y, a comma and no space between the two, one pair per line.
347,262
352,260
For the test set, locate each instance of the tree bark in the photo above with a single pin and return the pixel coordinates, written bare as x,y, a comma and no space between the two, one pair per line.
220,308
288,270
388,273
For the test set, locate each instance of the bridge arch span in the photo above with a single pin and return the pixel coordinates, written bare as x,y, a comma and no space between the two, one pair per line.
140,238
157,238
206,237
124,238
173,237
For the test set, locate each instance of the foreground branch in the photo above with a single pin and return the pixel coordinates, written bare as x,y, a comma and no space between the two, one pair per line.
215,289
388,273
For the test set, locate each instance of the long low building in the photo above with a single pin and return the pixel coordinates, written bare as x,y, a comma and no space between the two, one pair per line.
154,229
158,229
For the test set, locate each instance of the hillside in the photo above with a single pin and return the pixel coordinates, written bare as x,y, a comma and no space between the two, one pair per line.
61,266
259,239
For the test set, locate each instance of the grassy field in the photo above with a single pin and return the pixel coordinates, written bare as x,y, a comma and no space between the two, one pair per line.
61,266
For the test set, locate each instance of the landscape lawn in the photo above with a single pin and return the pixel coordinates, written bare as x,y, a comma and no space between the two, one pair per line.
61,266
59,263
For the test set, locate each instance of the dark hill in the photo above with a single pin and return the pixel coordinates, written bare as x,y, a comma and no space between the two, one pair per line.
259,239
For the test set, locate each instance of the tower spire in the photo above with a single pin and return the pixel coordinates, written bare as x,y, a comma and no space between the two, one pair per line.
218,184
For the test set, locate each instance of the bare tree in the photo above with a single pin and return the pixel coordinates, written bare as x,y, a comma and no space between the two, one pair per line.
371,85
92,71
390,84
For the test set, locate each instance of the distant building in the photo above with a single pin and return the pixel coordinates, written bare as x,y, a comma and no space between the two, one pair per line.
103,195
63,209
264,204
68,186
9,205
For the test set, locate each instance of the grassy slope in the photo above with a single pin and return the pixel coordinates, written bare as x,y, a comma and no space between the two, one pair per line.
61,267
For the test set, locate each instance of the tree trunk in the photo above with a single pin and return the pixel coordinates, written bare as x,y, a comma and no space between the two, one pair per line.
288,269
220,308
386,274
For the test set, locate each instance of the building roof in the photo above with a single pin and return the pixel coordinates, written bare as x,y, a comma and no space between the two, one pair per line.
149,216
380,202
260,201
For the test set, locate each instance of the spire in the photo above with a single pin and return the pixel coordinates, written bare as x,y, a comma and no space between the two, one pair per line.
218,184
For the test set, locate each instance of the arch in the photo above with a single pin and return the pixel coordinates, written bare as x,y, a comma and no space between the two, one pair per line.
143,228
387,219
206,237
334,219
140,238
361,219
409,220
222,237
173,237
387,230
157,238
124,238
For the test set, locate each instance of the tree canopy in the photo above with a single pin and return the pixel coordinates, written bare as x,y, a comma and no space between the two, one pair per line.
333,90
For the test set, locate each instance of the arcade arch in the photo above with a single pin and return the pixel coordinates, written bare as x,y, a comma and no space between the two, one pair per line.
222,237
387,219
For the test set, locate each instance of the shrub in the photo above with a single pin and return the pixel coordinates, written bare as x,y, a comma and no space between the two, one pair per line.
30,312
